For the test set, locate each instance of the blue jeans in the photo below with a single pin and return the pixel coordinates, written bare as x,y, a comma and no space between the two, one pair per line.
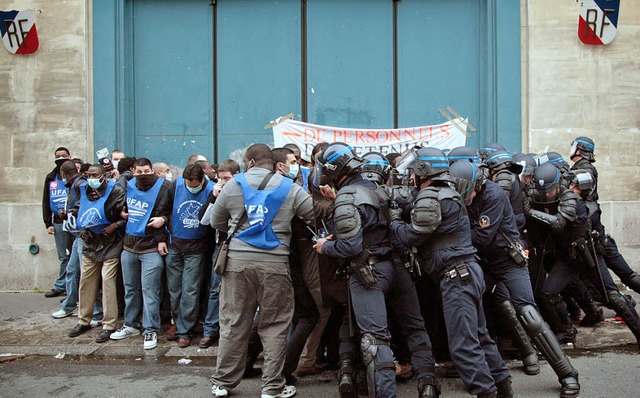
212,320
62,240
142,274
72,277
184,277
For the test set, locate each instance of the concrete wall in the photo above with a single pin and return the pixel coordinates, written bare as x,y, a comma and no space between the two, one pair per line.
572,89
44,103
568,89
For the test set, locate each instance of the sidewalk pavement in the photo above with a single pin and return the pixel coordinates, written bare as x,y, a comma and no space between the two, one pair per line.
27,327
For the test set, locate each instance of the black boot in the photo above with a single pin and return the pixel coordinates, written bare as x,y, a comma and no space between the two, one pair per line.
346,383
428,387
504,388
592,314
549,346
626,311
569,386
519,337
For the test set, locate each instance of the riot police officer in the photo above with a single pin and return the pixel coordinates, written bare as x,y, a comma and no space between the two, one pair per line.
564,215
439,230
495,235
362,239
505,172
490,148
582,154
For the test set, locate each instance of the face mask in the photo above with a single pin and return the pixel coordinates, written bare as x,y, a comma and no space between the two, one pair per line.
194,190
115,164
293,171
94,183
169,177
59,161
145,181
111,179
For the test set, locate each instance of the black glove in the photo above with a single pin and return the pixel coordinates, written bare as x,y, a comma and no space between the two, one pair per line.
394,215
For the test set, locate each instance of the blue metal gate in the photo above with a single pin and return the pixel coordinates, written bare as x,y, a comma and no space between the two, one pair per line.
172,78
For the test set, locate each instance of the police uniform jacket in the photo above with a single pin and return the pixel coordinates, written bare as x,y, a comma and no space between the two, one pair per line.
373,228
491,215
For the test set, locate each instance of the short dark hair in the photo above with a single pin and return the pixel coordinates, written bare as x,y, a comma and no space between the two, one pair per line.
68,167
193,172
229,165
77,160
292,146
61,148
279,155
260,153
97,166
125,164
142,162
317,149
203,163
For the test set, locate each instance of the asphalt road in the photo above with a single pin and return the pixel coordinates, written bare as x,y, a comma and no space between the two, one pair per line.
614,373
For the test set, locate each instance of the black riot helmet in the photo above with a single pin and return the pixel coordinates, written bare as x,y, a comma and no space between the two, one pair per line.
555,159
489,149
584,147
468,178
583,180
547,182
501,160
463,153
376,167
427,163
336,161
528,164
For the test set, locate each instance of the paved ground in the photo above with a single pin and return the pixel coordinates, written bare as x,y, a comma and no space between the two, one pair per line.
27,327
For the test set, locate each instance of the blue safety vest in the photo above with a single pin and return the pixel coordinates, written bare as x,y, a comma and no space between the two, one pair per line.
91,214
57,195
185,223
140,204
262,207
305,177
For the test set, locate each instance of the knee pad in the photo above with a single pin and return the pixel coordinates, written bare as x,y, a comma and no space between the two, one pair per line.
531,320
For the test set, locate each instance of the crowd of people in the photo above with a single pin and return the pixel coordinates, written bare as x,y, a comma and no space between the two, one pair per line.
378,264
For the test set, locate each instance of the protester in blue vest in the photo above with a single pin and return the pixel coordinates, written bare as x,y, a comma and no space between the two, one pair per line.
72,180
187,248
257,270
145,245
53,199
101,224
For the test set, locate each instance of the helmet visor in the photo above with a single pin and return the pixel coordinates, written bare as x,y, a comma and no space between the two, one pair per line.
404,163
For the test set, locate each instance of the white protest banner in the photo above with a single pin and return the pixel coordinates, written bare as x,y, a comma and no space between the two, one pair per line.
444,136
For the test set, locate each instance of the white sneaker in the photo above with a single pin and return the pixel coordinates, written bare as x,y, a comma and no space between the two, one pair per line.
150,340
61,314
219,391
287,391
124,331
95,323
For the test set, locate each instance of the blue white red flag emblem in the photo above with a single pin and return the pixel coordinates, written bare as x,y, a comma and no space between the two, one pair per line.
19,33
598,22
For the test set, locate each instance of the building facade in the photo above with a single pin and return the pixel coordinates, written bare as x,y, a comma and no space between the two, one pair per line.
165,79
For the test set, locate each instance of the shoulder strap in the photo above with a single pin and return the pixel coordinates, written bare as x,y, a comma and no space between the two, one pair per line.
244,215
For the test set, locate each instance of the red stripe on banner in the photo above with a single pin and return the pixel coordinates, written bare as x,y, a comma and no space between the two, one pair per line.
586,34
30,43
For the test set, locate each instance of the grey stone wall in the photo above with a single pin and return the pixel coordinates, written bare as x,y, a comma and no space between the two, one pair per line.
44,103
